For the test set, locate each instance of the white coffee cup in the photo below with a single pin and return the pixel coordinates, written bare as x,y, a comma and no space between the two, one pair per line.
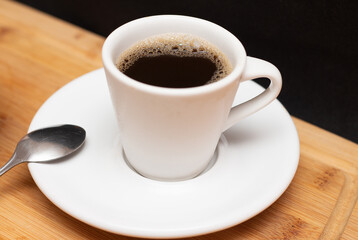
171,134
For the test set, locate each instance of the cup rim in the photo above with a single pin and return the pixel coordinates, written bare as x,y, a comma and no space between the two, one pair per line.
110,66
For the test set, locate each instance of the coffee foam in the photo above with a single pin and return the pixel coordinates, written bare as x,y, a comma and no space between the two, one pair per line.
176,44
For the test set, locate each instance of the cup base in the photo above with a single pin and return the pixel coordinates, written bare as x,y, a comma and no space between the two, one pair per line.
218,153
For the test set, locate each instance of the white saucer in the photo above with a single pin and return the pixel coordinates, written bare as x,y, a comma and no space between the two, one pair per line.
257,160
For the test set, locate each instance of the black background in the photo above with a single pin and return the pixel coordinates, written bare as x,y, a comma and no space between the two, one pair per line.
313,43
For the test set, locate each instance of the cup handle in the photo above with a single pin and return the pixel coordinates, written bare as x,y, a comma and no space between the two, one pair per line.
256,68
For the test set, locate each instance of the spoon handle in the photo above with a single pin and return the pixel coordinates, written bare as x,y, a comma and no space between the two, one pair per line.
14,160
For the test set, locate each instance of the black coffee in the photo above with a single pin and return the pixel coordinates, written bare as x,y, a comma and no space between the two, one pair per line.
174,61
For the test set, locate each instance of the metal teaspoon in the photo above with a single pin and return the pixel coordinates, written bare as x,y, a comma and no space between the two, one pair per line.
46,144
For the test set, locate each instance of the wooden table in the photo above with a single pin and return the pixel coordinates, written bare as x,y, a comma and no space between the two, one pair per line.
39,54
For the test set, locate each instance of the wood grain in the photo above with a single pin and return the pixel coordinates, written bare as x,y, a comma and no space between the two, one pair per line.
39,54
